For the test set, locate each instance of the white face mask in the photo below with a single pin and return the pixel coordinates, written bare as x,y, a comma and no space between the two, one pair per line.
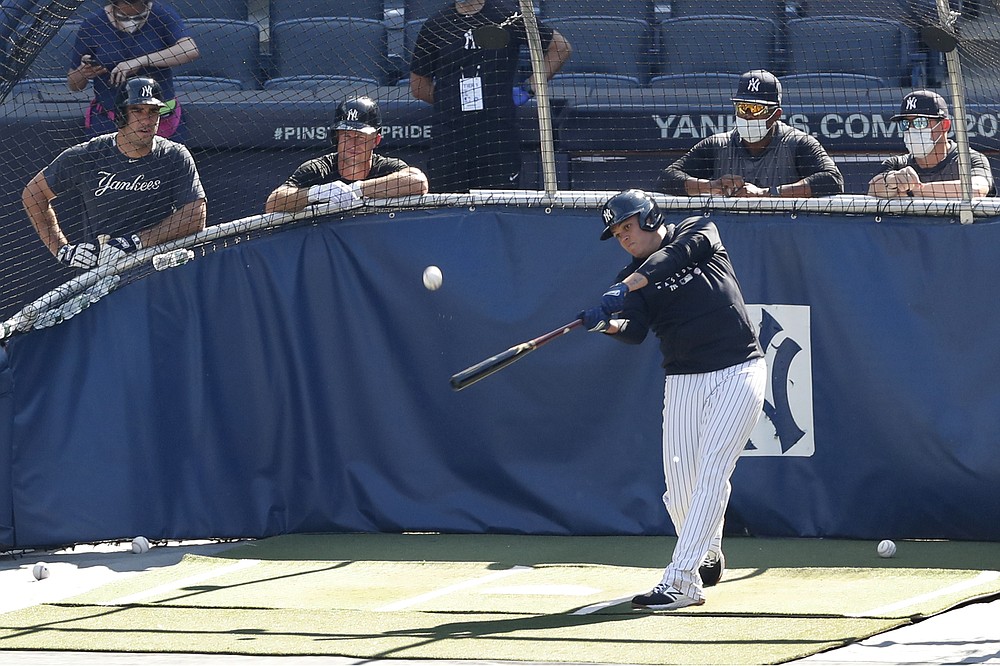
919,142
752,131
130,24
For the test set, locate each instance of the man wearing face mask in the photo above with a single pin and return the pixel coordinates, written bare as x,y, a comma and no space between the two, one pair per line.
124,39
930,168
761,157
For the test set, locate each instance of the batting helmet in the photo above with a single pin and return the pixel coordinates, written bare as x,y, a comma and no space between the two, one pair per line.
626,204
360,114
138,91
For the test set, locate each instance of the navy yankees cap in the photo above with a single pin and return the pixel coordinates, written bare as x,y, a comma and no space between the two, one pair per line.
922,103
760,86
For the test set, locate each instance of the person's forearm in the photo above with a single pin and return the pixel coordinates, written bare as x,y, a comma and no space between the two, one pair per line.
187,220
409,181
180,53
952,189
76,80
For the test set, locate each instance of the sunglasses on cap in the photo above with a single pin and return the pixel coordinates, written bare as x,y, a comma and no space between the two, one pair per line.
919,122
752,108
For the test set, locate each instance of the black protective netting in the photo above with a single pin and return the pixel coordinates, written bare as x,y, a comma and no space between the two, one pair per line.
644,83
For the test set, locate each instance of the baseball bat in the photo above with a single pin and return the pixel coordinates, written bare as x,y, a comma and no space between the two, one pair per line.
493,364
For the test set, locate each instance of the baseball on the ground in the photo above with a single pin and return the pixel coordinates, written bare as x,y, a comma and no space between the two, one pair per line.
140,545
40,571
886,548
433,278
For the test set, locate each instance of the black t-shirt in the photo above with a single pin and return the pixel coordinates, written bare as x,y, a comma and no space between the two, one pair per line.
693,302
323,169
446,51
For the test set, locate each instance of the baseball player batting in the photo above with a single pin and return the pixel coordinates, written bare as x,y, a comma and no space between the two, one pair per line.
681,285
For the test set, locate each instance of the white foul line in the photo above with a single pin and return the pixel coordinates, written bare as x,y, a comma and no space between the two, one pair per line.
406,603
983,577
183,582
593,608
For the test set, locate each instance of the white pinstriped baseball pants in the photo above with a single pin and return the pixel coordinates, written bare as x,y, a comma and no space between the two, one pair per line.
707,420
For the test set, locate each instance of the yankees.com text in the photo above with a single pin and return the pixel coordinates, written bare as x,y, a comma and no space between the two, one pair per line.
822,126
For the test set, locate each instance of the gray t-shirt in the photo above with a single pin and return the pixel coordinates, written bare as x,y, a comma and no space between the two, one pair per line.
946,169
123,195
791,156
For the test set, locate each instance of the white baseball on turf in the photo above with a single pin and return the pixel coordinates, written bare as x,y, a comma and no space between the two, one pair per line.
433,278
140,545
40,571
886,548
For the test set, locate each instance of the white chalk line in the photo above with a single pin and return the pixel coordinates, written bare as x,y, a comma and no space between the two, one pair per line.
983,577
464,585
183,582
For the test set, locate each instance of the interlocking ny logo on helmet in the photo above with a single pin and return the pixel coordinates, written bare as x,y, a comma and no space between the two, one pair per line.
626,204
138,91
357,114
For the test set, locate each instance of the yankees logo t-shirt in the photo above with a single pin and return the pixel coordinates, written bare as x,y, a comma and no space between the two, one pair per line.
122,195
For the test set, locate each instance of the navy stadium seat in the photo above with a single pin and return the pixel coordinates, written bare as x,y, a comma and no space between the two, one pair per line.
421,9
217,9
605,45
330,46
723,81
287,10
53,61
870,46
888,9
229,55
738,44
642,9
762,9
349,85
828,82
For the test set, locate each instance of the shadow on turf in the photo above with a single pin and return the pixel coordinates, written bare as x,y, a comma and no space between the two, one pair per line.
503,551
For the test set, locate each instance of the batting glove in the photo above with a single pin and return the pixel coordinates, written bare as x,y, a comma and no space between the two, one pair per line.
594,319
118,248
613,299
80,255
337,194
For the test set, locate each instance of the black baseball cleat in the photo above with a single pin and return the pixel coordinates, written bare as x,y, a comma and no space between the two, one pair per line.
664,597
712,568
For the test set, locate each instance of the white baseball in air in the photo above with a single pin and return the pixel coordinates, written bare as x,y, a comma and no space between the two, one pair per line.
40,571
433,278
886,548
140,545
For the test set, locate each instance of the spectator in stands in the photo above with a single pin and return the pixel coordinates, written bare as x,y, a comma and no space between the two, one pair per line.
137,188
476,140
762,157
340,179
930,168
129,38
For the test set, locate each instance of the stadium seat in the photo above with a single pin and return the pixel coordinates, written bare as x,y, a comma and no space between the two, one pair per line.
762,9
316,82
52,63
217,9
287,10
421,9
723,81
229,54
739,44
870,46
605,45
830,82
330,46
887,9
642,9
